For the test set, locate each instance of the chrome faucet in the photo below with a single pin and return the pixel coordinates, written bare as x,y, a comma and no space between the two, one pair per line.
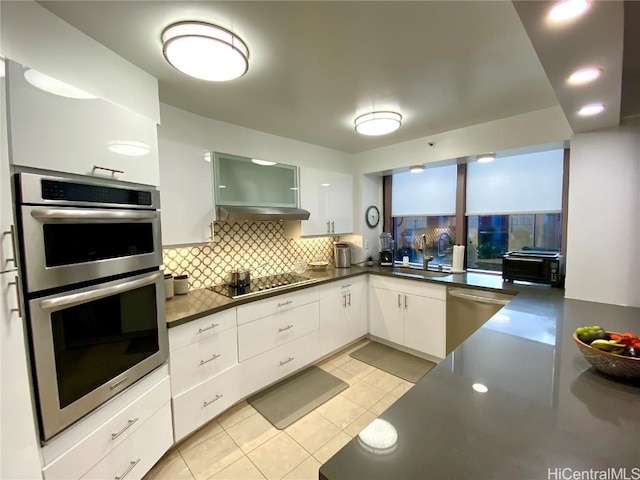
425,258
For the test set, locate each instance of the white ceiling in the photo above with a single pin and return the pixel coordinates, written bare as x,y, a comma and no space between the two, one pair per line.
315,66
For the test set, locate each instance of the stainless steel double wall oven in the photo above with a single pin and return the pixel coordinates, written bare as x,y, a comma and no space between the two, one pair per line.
91,253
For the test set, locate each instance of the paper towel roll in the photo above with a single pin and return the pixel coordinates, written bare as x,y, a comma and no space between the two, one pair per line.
458,259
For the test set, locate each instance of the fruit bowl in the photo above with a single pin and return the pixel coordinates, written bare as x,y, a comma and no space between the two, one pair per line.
618,366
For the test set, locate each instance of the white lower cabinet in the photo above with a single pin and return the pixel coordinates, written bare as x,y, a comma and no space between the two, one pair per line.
134,413
135,456
270,366
409,313
270,332
343,313
197,406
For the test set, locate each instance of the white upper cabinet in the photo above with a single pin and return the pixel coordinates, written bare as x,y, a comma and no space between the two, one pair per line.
186,196
85,136
329,198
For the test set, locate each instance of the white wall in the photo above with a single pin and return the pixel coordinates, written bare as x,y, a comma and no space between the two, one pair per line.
213,135
603,241
35,37
544,126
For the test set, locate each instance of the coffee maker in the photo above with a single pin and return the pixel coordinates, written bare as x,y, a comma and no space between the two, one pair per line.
386,250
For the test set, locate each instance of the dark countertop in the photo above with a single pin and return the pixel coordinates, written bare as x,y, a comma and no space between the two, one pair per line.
545,407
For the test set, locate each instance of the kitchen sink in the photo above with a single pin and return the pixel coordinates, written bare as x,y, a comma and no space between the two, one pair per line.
417,272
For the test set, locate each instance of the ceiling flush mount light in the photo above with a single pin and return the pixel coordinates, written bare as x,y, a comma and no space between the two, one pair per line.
52,85
205,51
486,158
591,109
568,9
480,388
416,169
130,148
584,75
378,123
264,163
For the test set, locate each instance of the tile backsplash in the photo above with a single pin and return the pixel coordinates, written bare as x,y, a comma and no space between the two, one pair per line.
258,246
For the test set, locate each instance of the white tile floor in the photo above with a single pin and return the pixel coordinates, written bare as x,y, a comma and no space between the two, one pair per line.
240,444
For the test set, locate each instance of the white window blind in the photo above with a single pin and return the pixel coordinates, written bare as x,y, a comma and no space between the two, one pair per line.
432,192
517,184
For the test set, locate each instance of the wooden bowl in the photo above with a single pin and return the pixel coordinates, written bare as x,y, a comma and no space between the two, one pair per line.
318,266
612,364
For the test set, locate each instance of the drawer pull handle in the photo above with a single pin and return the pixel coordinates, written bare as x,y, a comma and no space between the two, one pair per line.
284,362
18,308
349,295
346,286
202,362
113,172
280,330
126,472
218,397
210,327
289,302
127,426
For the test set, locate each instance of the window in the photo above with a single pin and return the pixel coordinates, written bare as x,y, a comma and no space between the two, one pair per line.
424,204
514,203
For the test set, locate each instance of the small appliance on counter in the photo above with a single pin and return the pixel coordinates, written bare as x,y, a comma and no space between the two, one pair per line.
386,250
534,266
342,254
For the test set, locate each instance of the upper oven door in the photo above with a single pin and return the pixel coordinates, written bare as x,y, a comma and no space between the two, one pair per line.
66,245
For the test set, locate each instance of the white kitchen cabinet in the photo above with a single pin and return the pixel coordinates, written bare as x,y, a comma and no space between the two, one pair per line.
18,434
343,313
412,314
85,136
186,196
328,196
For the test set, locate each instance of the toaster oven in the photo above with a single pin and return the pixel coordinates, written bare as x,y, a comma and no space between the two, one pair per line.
534,266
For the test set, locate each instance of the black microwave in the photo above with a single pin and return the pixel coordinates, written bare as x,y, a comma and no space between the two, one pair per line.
534,266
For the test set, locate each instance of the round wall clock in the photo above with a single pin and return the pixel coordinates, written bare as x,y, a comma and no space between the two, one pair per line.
372,216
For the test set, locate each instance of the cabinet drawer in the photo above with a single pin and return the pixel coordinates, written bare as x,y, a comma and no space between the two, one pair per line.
193,364
343,285
87,452
264,308
135,456
414,287
275,364
270,332
204,327
197,406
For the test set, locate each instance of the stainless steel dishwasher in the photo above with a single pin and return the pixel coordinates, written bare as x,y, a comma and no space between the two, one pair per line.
468,310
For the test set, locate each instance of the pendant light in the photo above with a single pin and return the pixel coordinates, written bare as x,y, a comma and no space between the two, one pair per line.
205,51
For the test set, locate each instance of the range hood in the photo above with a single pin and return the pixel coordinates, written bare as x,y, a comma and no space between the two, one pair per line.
235,213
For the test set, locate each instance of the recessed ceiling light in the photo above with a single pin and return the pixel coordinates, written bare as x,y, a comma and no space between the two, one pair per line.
205,51
130,148
568,9
325,184
591,109
264,163
52,85
378,123
416,169
480,388
584,75
486,158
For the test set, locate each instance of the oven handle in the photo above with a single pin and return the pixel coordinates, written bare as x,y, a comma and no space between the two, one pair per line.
84,297
81,214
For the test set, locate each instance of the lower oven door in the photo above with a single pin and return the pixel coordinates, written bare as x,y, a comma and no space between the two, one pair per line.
91,343
67,245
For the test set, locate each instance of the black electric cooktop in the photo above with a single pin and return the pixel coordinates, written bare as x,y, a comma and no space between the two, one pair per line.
261,285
